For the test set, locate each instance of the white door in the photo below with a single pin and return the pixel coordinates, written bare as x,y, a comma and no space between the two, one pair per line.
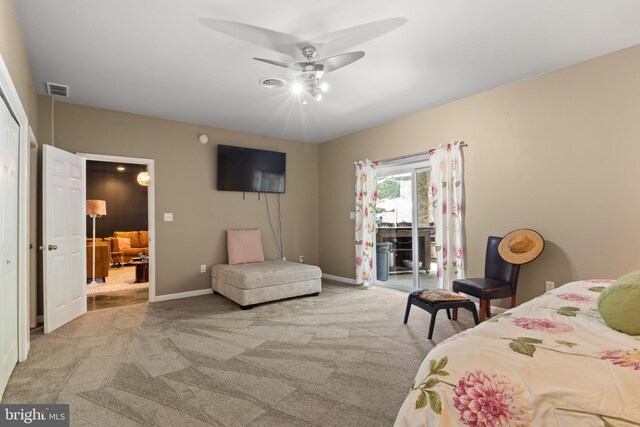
9,143
64,230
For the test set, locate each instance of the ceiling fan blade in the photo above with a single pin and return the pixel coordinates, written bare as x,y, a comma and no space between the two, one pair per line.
332,63
270,39
272,62
349,37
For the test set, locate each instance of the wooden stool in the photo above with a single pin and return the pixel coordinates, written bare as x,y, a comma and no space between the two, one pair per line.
434,306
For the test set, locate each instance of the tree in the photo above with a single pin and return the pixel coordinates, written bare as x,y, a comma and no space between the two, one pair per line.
388,189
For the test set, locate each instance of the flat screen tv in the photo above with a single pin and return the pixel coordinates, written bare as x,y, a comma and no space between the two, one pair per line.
246,169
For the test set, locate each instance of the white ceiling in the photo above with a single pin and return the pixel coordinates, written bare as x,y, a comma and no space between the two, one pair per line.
153,57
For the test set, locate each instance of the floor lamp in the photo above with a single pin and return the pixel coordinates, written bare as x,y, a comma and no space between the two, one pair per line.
95,209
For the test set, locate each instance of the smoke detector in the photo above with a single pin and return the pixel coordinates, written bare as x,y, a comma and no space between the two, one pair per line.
272,83
57,89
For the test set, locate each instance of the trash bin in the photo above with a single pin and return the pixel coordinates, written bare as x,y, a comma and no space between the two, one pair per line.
383,250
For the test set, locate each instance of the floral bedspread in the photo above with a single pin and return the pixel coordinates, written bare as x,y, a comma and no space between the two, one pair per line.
549,362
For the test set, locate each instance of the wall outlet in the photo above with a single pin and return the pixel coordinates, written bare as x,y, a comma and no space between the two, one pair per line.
284,258
352,215
550,285
168,216
301,258
203,268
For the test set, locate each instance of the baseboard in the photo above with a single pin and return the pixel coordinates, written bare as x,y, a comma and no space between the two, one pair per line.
180,295
339,279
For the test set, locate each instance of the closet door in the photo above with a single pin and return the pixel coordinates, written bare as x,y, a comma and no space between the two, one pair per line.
9,143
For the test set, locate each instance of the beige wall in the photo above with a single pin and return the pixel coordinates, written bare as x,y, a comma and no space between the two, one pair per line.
15,57
185,185
45,110
558,153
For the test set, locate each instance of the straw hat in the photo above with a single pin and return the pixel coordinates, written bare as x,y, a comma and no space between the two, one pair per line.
521,246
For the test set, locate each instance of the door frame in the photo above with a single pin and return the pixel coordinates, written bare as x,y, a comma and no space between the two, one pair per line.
10,96
34,252
151,207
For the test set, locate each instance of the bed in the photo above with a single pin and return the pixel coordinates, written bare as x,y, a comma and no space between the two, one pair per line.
549,362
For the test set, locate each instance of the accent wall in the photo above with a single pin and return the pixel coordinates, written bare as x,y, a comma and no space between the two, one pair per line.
126,199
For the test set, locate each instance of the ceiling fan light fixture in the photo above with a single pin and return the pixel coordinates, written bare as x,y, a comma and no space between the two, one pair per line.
296,88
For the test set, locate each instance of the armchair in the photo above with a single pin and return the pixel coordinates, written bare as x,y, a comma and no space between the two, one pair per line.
103,257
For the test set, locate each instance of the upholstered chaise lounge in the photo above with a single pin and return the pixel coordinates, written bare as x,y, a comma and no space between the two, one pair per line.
248,279
257,282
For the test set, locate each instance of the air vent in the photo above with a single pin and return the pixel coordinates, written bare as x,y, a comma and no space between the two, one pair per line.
57,89
272,83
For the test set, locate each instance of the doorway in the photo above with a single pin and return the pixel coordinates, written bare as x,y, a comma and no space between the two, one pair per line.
117,192
125,235
64,234
405,253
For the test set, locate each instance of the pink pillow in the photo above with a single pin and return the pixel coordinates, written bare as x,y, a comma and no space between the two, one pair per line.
244,246
124,243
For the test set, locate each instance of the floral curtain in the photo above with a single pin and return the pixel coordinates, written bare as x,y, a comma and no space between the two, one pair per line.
366,177
446,192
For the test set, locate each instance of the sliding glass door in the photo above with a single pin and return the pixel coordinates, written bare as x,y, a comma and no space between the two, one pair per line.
404,227
424,230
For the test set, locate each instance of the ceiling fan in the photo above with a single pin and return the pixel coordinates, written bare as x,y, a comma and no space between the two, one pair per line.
311,72
308,74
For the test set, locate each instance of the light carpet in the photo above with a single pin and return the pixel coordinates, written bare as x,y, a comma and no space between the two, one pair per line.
119,279
343,358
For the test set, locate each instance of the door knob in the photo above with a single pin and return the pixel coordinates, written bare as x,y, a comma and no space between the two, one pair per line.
52,247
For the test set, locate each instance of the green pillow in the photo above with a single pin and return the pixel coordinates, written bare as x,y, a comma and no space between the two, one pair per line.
619,304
